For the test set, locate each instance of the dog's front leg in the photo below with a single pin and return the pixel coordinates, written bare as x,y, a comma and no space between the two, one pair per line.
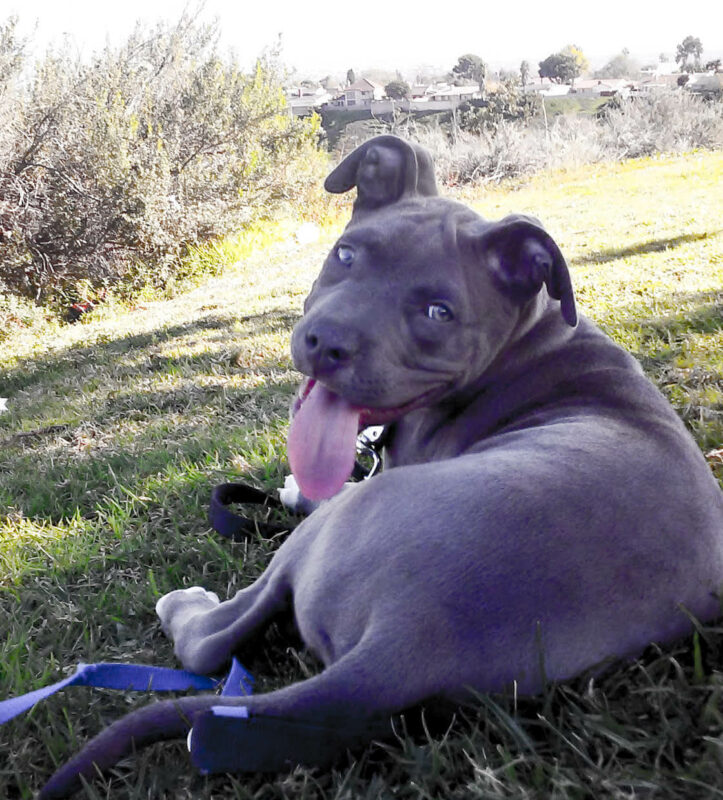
176,609
206,632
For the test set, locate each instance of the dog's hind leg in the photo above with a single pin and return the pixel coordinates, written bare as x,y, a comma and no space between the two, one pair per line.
344,706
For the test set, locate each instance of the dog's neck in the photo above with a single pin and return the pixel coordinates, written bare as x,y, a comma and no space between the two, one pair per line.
513,389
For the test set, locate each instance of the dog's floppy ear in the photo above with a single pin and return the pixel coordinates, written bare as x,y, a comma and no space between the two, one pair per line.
522,257
384,169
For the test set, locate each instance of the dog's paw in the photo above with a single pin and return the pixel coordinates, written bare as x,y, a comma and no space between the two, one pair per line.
292,498
175,608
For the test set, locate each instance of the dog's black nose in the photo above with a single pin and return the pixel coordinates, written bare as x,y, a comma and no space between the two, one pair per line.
328,349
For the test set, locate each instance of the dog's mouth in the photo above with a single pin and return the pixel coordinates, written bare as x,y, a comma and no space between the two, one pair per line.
367,415
322,436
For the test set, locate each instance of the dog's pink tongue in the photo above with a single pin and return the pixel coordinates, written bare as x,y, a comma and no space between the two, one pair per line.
322,443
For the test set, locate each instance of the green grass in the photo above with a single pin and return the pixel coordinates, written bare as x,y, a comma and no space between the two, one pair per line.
571,104
118,427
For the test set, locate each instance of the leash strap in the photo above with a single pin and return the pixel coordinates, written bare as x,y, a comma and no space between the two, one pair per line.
237,527
239,681
234,526
131,677
224,739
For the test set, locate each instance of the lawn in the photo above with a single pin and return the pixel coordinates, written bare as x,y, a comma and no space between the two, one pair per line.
572,104
117,428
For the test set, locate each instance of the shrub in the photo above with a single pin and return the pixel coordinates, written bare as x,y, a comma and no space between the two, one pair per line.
673,121
508,103
669,122
132,158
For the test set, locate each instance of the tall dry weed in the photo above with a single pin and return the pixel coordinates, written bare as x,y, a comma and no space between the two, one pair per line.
667,123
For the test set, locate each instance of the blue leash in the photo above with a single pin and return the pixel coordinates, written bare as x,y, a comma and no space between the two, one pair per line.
132,677
225,738
212,747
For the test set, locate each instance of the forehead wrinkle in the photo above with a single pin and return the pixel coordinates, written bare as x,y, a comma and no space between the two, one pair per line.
368,238
383,241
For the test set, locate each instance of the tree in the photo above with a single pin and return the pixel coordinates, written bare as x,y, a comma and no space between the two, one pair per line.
576,52
713,66
524,72
620,66
688,53
564,66
560,68
350,77
507,103
12,53
473,68
397,90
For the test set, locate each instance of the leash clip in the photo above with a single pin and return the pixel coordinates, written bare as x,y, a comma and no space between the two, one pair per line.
369,443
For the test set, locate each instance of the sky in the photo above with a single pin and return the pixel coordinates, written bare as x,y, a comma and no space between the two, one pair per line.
319,37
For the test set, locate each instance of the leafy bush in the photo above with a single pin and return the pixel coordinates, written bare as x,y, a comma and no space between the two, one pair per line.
506,104
132,158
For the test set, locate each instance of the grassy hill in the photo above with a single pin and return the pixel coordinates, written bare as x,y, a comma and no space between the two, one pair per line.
118,427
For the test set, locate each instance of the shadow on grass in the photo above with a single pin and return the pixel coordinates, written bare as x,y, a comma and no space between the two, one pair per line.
642,248
75,472
119,437
140,435
680,352
703,315
75,359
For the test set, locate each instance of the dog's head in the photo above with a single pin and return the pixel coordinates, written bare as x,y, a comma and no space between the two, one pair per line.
414,303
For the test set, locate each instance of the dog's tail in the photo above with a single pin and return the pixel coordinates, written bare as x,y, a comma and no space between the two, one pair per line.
169,719
338,709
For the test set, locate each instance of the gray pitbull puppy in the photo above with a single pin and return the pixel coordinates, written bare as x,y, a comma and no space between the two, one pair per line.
542,508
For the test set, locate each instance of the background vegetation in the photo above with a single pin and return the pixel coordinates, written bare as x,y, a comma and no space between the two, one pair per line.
510,135
118,427
122,173
110,170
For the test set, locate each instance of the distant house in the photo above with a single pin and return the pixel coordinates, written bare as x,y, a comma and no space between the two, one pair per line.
661,68
658,83
302,100
454,94
420,91
707,83
601,87
361,94
546,88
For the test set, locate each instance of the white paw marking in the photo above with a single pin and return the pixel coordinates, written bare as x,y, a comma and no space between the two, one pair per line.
290,494
162,602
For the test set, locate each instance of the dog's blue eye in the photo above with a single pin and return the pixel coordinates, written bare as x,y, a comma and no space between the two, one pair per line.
439,312
345,254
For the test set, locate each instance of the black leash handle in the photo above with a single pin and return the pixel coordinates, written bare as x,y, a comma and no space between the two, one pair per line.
237,528
233,526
